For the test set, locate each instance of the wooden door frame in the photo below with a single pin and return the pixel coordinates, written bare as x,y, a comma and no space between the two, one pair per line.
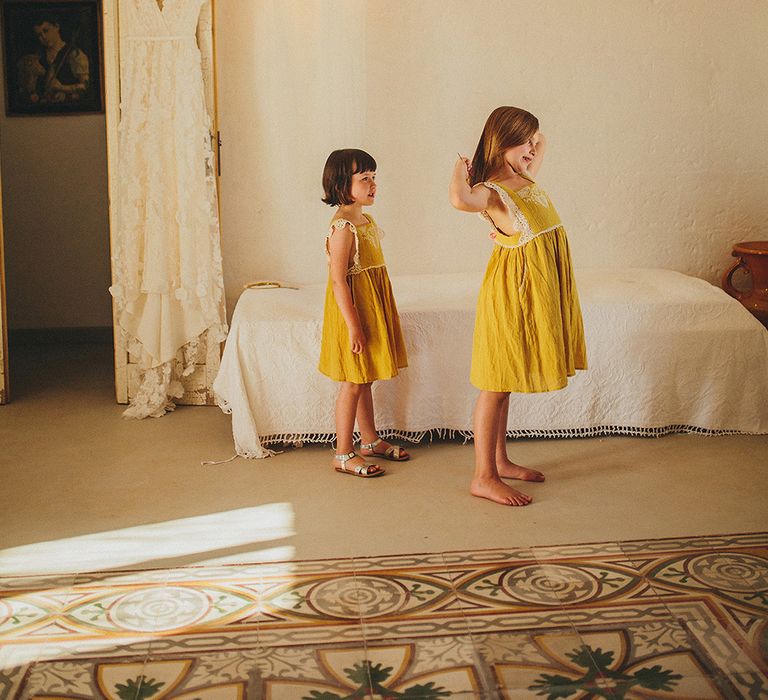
111,28
5,394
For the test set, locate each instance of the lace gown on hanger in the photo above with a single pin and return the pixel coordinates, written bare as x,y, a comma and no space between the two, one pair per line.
168,282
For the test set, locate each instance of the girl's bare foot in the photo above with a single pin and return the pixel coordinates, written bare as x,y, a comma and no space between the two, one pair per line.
510,470
497,491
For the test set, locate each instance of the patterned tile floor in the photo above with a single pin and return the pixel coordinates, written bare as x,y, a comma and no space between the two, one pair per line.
670,618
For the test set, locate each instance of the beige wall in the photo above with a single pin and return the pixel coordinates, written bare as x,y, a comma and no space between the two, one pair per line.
655,114
55,216
277,61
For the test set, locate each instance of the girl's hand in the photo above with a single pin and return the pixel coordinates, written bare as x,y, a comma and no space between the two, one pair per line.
467,163
356,339
461,194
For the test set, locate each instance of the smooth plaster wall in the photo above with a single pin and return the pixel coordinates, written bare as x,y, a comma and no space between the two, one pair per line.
656,113
55,214
291,88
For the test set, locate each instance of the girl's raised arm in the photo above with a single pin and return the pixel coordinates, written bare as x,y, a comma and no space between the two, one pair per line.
462,196
339,247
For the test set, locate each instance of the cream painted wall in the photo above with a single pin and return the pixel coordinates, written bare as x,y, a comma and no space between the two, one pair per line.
656,114
55,221
277,61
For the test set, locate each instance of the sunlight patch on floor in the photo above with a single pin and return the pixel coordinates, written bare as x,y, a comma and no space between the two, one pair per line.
209,536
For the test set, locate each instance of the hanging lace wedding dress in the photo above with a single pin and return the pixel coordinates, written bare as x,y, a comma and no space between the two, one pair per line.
167,272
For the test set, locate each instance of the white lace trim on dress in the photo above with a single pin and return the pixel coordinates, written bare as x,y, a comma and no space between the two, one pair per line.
370,267
518,218
532,193
501,244
337,224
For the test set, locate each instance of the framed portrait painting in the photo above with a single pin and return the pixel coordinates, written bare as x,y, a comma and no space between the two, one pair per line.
52,57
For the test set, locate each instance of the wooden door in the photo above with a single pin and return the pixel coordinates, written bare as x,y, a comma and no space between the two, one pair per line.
198,386
4,392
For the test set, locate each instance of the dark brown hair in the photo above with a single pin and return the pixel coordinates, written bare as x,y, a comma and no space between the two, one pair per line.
505,128
339,169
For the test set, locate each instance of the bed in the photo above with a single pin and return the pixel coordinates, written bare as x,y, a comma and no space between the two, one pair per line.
667,353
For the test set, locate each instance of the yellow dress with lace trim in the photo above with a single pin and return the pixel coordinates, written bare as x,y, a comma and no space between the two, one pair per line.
384,353
529,333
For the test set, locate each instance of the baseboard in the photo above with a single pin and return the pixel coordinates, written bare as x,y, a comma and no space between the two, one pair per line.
59,336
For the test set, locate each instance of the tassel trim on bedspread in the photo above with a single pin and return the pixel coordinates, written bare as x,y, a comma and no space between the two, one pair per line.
416,436
298,439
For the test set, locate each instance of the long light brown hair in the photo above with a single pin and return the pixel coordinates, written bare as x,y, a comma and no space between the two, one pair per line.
505,128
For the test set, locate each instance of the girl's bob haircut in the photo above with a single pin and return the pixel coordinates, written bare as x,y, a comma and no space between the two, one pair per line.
339,169
505,128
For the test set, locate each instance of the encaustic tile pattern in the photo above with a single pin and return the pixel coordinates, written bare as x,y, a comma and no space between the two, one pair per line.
670,618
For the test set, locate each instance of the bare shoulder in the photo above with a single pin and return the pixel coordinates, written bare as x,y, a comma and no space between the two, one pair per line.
494,200
483,192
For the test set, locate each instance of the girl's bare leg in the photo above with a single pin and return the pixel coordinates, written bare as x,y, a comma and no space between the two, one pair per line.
365,417
508,469
346,408
367,423
486,482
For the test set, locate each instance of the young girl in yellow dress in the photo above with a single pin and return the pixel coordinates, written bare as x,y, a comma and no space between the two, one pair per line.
529,335
362,341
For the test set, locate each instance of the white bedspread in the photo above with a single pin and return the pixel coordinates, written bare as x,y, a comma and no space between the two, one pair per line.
666,352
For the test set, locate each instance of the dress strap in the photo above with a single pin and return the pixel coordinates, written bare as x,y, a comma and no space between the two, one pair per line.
518,218
339,224
508,203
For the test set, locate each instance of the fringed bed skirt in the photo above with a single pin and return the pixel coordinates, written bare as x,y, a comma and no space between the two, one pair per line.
667,353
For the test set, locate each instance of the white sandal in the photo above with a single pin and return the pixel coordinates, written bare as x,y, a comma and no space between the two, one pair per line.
394,453
365,471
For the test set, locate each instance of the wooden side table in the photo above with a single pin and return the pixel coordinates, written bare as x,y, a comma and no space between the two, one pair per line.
752,258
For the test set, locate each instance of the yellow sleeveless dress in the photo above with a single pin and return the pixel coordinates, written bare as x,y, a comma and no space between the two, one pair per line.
529,334
384,351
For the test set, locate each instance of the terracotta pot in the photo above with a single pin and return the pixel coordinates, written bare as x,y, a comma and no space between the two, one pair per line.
753,258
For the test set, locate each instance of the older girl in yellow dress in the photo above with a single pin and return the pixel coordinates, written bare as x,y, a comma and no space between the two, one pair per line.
529,335
362,341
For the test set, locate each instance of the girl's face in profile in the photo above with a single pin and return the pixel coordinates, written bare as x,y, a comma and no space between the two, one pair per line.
363,187
519,157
